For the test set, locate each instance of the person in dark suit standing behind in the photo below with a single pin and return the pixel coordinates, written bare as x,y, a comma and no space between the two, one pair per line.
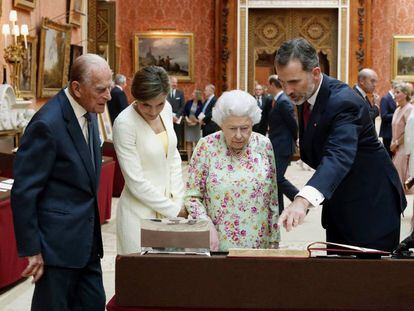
279,116
208,126
367,82
54,196
262,102
119,100
176,99
337,138
388,107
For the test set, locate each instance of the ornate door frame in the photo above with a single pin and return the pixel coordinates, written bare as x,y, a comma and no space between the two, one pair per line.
244,6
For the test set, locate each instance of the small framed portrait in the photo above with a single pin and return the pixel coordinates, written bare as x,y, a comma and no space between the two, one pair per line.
105,125
174,51
75,12
75,52
403,58
25,4
53,57
28,69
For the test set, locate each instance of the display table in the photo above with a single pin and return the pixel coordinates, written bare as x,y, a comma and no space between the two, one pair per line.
218,282
105,189
109,150
11,266
6,162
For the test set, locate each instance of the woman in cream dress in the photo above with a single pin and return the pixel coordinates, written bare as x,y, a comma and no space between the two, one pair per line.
402,93
146,147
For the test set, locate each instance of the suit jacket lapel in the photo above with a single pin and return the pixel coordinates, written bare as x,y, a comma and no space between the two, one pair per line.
316,114
77,137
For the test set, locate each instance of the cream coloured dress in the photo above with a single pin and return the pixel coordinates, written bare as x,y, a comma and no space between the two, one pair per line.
153,180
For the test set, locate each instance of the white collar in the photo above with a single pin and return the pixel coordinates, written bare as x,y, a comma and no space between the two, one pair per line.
361,91
119,87
392,94
78,109
278,95
312,99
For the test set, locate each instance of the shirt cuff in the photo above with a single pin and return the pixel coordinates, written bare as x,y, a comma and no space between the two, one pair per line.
311,194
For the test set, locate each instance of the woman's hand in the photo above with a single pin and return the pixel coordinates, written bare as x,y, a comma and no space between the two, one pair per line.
214,241
393,146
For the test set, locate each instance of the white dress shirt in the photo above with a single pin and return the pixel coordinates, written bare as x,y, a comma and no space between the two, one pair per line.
79,113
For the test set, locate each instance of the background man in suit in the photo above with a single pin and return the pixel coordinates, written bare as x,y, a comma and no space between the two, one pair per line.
54,196
337,138
262,102
208,126
177,101
367,81
279,116
119,100
388,107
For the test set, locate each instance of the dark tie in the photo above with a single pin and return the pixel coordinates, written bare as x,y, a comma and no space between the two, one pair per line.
90,137
273,103
367,99
306,113
258,102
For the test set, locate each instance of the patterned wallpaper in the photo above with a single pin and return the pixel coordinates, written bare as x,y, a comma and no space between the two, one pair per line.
196,16
389,18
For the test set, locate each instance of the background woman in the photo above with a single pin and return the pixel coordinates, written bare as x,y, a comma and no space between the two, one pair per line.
145,145
402,92
192,131
232,177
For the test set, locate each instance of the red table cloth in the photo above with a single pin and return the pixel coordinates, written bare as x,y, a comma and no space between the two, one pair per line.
11,266
105,189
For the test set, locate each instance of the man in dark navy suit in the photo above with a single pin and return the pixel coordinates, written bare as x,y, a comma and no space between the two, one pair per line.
208,126
119,100
279,116
367,82
54,196
176,99
337,138
388,107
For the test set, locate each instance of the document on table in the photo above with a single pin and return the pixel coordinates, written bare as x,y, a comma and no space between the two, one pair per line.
5,186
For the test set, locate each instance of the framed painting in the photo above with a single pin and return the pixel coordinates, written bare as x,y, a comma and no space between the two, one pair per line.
25,4
53,57
174,51
105,124
75,52
402,67
28,69
75,12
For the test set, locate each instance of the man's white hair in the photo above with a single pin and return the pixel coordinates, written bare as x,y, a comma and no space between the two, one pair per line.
236,103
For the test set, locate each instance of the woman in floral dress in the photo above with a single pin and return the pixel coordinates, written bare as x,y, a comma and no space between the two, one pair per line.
232,178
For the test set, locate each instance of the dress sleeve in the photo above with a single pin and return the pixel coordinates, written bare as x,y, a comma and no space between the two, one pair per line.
196,183
273,202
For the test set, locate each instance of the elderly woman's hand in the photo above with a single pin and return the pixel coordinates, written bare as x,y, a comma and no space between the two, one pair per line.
214,241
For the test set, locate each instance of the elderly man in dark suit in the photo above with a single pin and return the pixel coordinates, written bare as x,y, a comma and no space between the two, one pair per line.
208,126
388,107
119,100
367,82
54,196
279,116
176,98
337,138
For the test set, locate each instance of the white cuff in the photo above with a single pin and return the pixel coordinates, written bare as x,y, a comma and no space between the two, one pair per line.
311,194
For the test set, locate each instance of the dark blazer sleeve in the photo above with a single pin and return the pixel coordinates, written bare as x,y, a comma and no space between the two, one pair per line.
209,111
288,114
123,100
340,149
181,103
264,120
30,181
187,107
386,112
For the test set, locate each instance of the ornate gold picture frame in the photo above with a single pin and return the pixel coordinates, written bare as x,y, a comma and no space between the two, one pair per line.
402,67
29,67
75,12
25,4
174,51
53,57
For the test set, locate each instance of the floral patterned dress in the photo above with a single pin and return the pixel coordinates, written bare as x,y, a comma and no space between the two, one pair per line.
238,193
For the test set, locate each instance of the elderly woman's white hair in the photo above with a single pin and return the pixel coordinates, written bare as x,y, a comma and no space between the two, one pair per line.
236,103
